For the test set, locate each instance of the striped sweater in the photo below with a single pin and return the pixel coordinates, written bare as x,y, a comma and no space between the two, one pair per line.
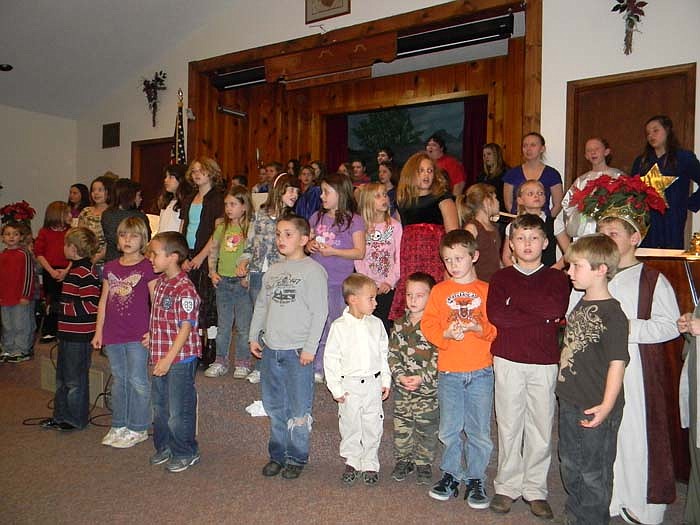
79,298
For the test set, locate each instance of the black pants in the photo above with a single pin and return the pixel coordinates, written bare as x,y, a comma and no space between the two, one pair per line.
52,292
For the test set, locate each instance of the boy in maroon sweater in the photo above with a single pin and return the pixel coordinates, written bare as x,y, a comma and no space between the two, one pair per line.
525,302
16,296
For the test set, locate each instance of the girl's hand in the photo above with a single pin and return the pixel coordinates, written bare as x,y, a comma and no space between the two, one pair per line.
61,274
195,263
312,246
146,340
326,250
383,288
187,265
215,278
97,341
242,268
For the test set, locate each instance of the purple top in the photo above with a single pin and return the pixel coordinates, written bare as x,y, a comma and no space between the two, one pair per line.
515,176
324,231
127,310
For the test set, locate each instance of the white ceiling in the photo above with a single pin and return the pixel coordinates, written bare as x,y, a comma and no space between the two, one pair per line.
68,54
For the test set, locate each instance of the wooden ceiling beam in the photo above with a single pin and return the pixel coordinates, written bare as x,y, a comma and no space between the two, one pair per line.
419,19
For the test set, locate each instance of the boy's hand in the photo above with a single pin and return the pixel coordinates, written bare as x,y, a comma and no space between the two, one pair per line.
341,399
410,383
471,326
599,413
454,331
162,367
146,340
24,301
688,324
385,392
256,349
305,358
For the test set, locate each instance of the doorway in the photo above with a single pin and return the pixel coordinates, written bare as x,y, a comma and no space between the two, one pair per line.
148,159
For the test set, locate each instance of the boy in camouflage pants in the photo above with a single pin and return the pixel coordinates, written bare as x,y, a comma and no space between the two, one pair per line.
413,364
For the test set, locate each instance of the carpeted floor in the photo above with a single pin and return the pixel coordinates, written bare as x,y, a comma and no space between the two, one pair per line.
52,477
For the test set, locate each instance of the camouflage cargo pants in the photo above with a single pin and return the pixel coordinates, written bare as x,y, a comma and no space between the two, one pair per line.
416,423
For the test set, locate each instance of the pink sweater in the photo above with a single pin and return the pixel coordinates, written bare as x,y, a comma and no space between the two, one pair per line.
381,262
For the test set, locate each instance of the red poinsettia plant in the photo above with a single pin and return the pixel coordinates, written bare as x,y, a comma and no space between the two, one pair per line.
605,192
17,212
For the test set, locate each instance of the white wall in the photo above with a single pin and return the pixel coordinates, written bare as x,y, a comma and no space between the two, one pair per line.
228,31
584,40
39,158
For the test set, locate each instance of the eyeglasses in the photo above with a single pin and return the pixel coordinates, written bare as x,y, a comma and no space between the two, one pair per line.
534,193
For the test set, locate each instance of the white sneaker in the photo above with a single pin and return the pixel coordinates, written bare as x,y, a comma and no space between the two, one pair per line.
130,438
216,370
254,377
114,434
318,378
240,372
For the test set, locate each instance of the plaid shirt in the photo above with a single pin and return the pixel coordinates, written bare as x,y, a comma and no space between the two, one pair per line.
174,302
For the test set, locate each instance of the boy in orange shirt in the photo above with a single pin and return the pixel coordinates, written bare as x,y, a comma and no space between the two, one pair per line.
455,321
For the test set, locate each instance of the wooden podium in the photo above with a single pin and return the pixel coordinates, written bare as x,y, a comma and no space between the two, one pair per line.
683,271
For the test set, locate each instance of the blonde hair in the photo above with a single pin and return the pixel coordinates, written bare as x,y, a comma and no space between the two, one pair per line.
354,283
366,204
469,203
134,225
521,188
406,192
211,167
597,249
84,240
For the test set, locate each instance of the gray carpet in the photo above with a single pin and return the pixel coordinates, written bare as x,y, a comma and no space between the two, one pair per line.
52,477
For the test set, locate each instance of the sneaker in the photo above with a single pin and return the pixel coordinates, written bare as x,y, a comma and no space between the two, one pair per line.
402,470
241,372
49,424
501,504
291,471
66,427
130,438
475,494
272,468
216,370
424,474
4,356
446,488
113,435
350,475
626,514
370,477
47,338
318,378
160,457
541,509
181,464
18,358
254,377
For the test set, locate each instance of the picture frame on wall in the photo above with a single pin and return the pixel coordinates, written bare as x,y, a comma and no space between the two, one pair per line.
317,10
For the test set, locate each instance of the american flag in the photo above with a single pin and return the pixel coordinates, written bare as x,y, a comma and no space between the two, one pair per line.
177,152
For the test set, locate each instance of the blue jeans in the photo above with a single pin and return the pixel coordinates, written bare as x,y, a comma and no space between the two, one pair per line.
287,395
174,411
72,399
587,456
233,304
18,327
466,404
131,386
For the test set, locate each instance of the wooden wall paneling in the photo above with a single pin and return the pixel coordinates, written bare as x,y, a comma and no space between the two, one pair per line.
514,80
533,67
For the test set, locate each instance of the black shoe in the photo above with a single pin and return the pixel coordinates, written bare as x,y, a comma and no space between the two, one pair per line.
272,469
402,469
350,475
475,494
19,358
66,427
47,338
291,471
446,488
49,424
370,477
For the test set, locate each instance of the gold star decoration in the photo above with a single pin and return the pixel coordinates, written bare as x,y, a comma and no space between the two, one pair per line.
659,182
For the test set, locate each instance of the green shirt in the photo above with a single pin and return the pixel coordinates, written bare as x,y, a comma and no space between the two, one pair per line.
231,245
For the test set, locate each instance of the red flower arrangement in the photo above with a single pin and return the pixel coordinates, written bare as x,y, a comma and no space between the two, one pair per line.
17,212
606,192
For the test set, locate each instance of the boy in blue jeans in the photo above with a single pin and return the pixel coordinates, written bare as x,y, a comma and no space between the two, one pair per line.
287,323
589,386
175,347
455,320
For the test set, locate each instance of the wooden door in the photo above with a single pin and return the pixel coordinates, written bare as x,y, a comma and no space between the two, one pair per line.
148,159
616,107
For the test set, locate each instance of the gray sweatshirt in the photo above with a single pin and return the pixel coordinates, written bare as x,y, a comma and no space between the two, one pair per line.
292,306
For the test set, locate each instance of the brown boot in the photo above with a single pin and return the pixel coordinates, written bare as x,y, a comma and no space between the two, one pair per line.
540,508
501,504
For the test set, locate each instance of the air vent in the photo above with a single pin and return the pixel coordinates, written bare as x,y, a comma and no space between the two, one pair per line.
239,78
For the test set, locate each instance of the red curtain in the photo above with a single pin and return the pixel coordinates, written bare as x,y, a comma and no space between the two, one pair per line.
336,141
474,138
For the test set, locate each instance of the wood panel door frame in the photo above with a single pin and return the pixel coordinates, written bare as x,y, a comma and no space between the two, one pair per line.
137,148
578,87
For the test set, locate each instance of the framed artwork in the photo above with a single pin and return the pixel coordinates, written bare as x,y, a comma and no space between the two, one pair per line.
322,9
